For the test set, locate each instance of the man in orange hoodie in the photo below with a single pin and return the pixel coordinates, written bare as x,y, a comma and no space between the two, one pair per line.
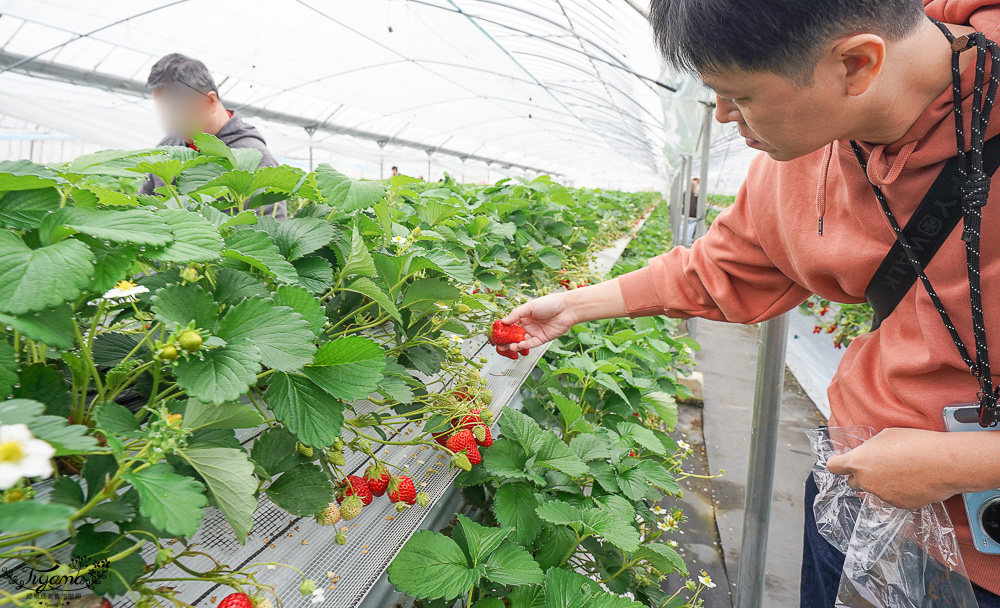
801,80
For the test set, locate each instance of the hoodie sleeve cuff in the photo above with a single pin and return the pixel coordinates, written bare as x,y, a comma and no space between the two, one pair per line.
639,292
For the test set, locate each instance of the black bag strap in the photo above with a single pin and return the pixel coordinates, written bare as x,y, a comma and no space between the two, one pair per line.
928,228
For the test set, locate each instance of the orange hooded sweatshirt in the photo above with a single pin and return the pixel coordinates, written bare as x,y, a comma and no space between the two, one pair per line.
764,256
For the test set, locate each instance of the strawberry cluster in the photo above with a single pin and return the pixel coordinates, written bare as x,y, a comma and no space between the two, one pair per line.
467,434
357,492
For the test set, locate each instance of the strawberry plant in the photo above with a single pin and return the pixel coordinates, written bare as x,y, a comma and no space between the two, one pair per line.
572,488
161,354
844,321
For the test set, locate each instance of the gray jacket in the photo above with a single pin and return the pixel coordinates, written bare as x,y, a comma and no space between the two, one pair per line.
235,134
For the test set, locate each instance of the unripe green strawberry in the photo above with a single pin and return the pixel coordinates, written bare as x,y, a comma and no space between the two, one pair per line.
486,396
423,499
190,275
261,601
303,449
190,340
329,516
307,587
350,508
479,432
338,444
341,538
415,232
163,555
464,308
486,414
168,352
461,461
336,457
400,506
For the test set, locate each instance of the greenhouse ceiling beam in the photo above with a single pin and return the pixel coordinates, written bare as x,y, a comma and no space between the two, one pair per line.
73,75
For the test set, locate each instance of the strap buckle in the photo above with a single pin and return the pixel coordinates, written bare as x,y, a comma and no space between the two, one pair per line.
962,44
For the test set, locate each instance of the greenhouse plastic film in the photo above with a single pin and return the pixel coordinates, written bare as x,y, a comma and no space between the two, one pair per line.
895,558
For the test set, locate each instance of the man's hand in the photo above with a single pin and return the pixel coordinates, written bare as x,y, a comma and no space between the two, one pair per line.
545,319
907,468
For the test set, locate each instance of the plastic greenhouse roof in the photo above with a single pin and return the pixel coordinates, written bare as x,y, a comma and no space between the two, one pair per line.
574,88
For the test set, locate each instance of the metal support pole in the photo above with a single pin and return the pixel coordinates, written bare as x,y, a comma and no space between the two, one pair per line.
763,451
676,204
686,198
311,130
706,146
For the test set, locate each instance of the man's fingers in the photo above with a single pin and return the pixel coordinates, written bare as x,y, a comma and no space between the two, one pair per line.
838,465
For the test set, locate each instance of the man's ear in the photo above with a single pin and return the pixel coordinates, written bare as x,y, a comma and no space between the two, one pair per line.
859,60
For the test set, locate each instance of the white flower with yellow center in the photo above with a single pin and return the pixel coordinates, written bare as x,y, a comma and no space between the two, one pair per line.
21,455
671,522
706,580
399,240
442,306
683,445
125,290
662,525
456,339
659,510
672,543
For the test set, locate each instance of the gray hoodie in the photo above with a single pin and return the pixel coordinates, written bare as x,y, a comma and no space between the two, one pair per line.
235,134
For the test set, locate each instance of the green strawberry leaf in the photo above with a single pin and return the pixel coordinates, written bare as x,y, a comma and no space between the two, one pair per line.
346,194
51,326
172,502
348,368
181,304
430,566
195,238
478,541
34,516
258,250
232,415
514,506
301,301
35,279
304,490
305,408
282,335
510,564
231,483
220,374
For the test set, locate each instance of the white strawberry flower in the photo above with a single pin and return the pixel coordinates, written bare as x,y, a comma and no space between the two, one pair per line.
683,445
442,306
659,510
318,596
456,339
672,543
399,240
124,290
662,525
706,580
21,455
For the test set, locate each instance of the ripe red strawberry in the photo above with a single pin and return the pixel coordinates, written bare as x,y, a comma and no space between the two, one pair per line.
462,396
355,486
236,600
525,352
475,456
508,353
377,478
404,490
506,334
461,440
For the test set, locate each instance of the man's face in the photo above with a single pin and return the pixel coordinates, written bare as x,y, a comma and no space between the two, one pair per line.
183,111
778,116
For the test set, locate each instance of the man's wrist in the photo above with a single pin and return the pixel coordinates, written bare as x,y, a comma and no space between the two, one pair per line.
970,459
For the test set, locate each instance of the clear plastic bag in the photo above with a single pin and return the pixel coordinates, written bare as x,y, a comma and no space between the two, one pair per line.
895,558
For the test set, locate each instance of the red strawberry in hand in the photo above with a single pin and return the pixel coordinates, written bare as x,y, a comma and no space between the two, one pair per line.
377,478
506,334
402,489
507,353
355,486
236,600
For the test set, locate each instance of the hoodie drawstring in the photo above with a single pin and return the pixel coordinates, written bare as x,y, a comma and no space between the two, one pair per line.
823,177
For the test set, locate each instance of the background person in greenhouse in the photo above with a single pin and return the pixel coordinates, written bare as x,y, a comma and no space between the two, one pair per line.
187,102
802,81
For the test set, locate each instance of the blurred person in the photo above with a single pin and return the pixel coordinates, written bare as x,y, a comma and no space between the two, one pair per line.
395,171
692,222
851,104
187,103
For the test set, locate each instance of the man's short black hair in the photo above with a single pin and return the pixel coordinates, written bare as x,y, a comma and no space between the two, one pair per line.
183,69
786,37
395,168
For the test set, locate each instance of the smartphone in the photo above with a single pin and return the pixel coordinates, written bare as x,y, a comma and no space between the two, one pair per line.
982,508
